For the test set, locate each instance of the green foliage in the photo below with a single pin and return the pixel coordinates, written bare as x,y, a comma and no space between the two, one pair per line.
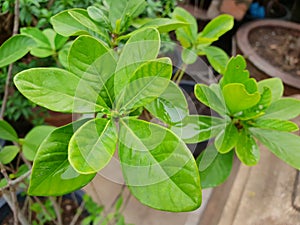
113,87
253,111
195,43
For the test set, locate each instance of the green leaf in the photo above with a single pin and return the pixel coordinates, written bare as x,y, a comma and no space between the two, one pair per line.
7,132
82,17
283,144
90,60
141,47
217,58
8,153
275,124
52,173
259,108
165,25
148,82
189,56
235,71
158,167
275,85
3,182
99,16
58,90
217,170
238,99
218,26
92,146
33,140
197,128
64,24
209,98
186,35
39,37
247,149
283,109
59,41
15,48
171,106
63,54
227,139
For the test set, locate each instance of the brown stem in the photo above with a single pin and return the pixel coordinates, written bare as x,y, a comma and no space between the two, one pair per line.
78,213
9,74
57,210
43,207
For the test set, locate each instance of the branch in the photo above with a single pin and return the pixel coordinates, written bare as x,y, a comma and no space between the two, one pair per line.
16,181
9,74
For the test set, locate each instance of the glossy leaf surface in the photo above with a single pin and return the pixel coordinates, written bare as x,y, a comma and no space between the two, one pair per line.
15,48
283,144
92,146
142,46
247,149
284,109
209,98
171,106
33,139
197,128
7,132
217,58
238,99
58,90
8,153
275,85
165,24
157,166
52,173
275,124
148,82
218,169
227,139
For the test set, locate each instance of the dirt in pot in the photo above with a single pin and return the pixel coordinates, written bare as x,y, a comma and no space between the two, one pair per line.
279,46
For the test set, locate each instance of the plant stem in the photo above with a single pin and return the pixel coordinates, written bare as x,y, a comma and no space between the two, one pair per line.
57,210
182,70
9,74
78,213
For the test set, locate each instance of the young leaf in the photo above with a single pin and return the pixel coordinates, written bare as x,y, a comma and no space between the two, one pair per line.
7,132
218,26
275,124
235,71
186,35
259,108
227,139
39,37
209,98
165,25
247,149
283,109
158,167
90,60
63,54
142,46
276,86
189,56
64,24
52,173
58,90
148,82
171,106
99,16
195,128
8,153
33,140
238,99
218,170
92,146
217,58
15,48
283,144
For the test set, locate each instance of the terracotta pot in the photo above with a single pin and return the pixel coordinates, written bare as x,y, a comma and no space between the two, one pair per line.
258,66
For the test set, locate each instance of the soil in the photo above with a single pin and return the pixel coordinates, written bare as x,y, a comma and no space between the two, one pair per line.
69,208
279,46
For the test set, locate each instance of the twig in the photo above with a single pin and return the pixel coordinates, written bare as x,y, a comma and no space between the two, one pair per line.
43,207
57,210
16,181
78,213
9,74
